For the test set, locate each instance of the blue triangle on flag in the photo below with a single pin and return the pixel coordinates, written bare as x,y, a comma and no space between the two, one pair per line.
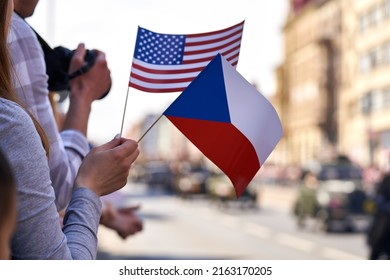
205,97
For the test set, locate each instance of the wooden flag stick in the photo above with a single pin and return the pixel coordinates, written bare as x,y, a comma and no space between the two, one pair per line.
124,112
143,135
123,119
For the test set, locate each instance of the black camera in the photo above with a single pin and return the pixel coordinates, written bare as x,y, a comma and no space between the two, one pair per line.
57,66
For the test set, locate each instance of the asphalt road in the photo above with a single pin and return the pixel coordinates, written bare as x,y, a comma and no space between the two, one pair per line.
198,229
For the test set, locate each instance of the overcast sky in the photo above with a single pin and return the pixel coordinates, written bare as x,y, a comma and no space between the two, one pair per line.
111,26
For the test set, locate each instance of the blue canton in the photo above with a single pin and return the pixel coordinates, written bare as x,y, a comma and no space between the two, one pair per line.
156,48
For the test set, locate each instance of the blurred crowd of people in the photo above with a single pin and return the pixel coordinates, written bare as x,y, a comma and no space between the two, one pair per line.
369,197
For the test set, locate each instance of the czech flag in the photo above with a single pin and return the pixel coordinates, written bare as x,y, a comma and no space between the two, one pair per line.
228,120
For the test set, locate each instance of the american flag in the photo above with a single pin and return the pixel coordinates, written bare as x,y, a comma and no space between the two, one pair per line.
169,62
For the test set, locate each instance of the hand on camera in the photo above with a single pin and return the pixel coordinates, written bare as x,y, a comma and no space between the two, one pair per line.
93,84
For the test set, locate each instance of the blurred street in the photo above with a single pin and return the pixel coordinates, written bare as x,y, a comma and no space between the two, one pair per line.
176,228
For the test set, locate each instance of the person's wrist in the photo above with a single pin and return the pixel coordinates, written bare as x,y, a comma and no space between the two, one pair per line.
81,101
103,217
107,214
82,183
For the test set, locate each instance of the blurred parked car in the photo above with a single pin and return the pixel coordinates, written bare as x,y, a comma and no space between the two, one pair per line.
343,204
221,190
159,176
192,181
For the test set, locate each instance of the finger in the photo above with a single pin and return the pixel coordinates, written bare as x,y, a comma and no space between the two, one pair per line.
128,210
127,147
80,50
100,55
139,226
123,140
109,145
79,54
134,207
132,157
101,64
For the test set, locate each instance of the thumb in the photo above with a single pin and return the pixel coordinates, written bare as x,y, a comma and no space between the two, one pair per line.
110,145
80,51
128,210
77,58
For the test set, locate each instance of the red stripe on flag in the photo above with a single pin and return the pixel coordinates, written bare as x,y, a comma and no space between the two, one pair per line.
214,32
161,81
212,49
155,90
209,58
205,42
225,146
168,72
149,76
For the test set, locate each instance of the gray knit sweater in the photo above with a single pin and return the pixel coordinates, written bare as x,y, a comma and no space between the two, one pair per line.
38,233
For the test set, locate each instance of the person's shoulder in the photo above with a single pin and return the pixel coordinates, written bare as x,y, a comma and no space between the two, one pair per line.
11,114
19,29
19,136
9,106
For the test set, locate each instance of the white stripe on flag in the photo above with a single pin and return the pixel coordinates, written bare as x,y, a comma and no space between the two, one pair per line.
199,50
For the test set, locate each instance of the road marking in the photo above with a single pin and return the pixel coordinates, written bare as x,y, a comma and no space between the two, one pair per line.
257,230
295,242
206,213
334,254
223,219
284,239
228,221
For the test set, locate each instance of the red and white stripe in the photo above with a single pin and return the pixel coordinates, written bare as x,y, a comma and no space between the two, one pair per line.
199,50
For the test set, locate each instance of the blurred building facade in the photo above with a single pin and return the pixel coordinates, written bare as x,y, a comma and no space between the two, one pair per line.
163,141
365,118
333,92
